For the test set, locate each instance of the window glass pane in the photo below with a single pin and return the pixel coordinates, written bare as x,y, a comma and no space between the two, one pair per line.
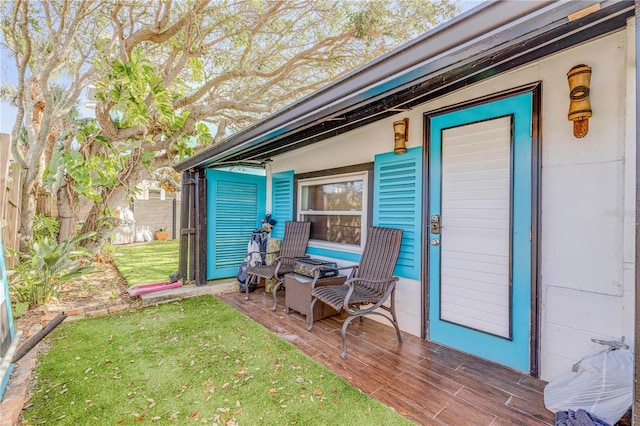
334,228
341,196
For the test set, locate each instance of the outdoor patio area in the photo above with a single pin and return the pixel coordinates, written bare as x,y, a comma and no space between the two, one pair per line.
426,382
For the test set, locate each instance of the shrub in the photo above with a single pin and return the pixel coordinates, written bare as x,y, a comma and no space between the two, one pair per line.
46,266
44,226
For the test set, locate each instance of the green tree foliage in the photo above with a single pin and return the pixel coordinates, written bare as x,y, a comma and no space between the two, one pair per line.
172,77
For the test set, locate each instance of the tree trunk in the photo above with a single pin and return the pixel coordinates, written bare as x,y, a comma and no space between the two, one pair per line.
28,209
102,225
67,202
96,220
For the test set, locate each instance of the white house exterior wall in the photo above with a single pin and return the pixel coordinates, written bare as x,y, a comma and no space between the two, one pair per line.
587,196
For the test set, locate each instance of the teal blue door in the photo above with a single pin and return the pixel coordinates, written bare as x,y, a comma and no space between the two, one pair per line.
235,204
480,189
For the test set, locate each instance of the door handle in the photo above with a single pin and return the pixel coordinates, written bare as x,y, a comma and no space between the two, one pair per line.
435,242
435,224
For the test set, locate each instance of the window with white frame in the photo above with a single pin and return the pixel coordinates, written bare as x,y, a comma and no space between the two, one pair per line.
336,206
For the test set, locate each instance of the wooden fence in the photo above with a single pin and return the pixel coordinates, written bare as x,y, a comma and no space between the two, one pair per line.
10,178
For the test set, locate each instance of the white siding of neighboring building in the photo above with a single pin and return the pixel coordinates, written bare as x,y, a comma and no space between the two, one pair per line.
587,196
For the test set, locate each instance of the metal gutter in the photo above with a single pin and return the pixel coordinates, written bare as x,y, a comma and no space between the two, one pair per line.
477,32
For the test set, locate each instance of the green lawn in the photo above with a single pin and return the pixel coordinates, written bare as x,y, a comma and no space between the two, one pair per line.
197,361
147,263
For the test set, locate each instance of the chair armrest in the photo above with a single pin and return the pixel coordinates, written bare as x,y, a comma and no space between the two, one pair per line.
350,281
278,261
263,252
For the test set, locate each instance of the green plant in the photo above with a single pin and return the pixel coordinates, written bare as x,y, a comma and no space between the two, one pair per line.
162,229
44,226
19,309
46,266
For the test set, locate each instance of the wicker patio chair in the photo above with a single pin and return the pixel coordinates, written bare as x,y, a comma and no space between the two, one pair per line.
369,285
293,246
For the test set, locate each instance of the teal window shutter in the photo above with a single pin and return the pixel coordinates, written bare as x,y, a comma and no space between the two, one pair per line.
398,204
281,201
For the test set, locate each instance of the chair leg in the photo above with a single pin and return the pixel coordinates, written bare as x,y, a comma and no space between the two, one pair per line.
250,279
395,319
246,287
395,324
310,316
343,355
275,290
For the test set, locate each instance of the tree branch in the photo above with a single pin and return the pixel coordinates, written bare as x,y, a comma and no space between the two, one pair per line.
158,35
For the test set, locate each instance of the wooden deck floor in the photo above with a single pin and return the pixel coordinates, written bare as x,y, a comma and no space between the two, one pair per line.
426,382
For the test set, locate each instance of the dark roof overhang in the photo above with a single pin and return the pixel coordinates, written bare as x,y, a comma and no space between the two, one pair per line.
490,39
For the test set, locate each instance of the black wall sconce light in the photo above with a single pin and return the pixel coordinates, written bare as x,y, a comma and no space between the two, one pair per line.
579,78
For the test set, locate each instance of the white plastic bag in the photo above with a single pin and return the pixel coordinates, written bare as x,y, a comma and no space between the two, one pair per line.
602,385
147,234
139,234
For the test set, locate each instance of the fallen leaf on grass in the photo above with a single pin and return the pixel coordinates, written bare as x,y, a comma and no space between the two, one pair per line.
317,391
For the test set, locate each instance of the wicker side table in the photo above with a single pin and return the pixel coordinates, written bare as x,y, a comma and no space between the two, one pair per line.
298,295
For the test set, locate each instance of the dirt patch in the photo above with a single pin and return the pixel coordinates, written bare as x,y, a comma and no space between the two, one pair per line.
102,289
